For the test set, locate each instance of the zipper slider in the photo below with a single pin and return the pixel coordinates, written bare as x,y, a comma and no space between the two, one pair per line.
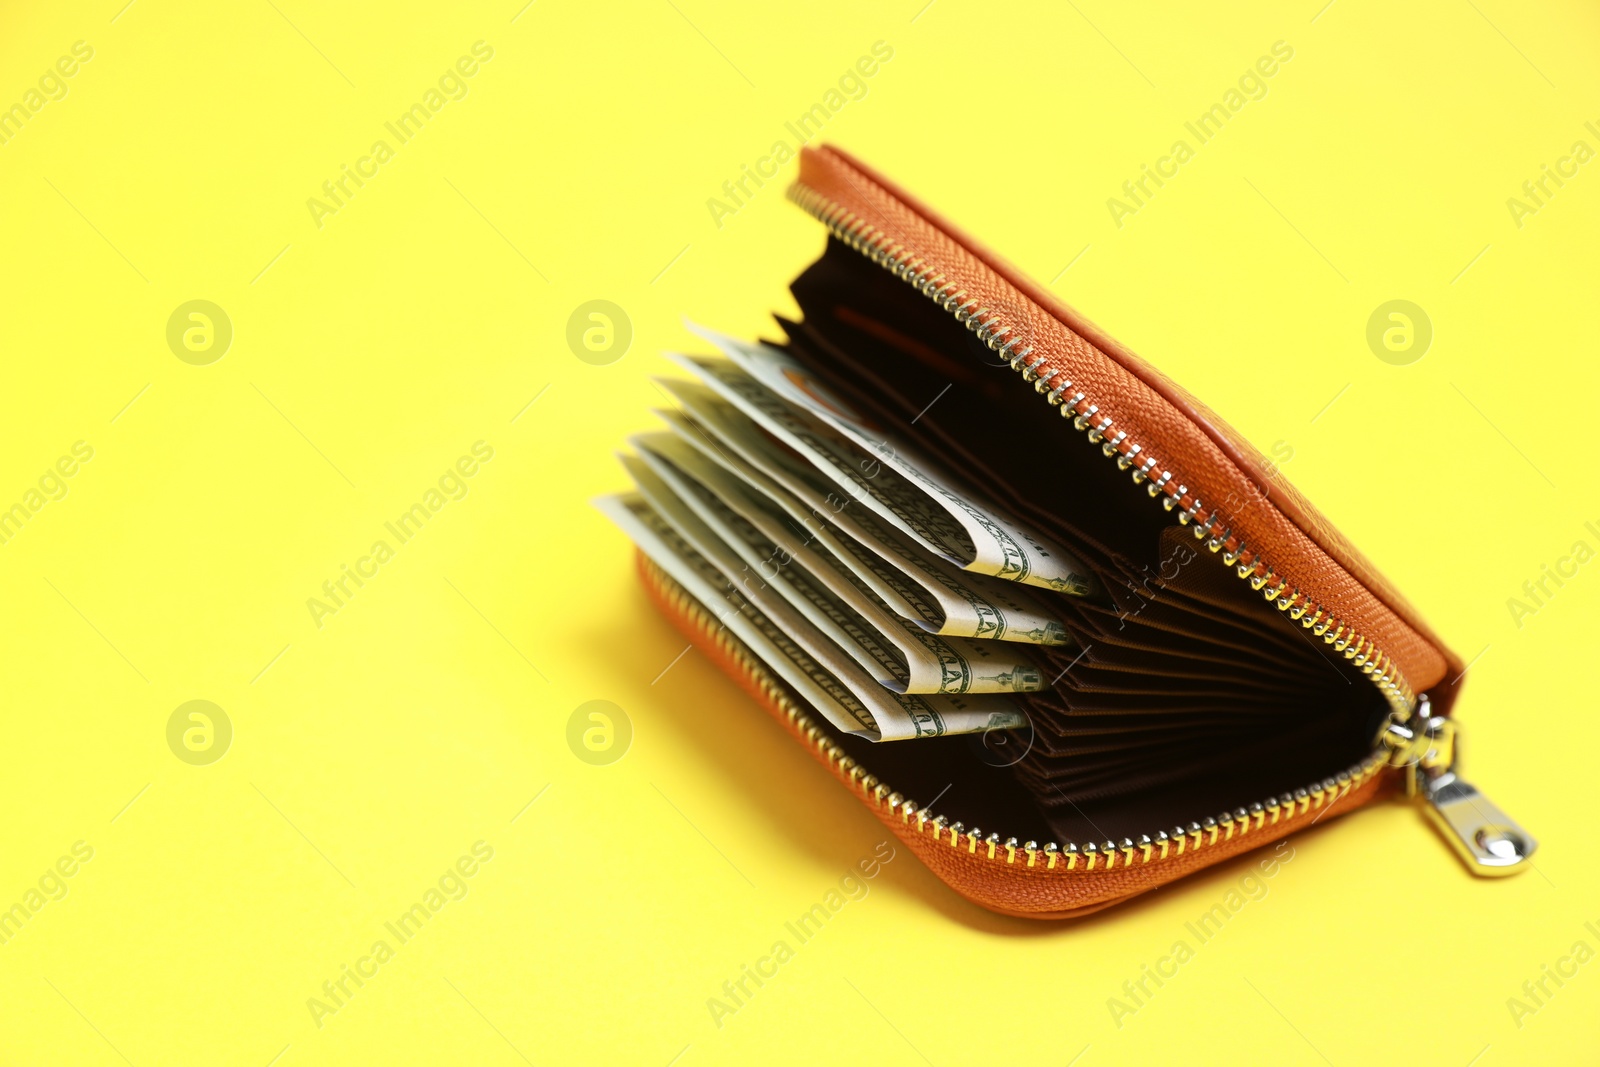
1488,841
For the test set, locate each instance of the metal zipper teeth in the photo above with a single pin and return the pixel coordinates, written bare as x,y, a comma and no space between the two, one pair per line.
1160,482
1094,855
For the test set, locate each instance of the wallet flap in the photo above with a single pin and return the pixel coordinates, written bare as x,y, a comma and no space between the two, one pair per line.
1186,454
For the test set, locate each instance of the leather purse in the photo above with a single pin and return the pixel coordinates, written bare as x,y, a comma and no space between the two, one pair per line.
1245,674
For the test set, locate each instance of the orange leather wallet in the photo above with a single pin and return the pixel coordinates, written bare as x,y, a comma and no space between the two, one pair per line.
1246,673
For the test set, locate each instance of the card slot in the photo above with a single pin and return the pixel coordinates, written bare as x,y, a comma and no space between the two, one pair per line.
1095,770
1050,731
1136,662
1064,757
1158,689
1216,593
1055,667
1105,749
1055,709
1088,726
1171,760
1176,656
1277,751
1190,703
1057,719
1102,773
1113,652
1189,578
1217,590
1162,624
1166,615
1047,750
1267,631
1081,681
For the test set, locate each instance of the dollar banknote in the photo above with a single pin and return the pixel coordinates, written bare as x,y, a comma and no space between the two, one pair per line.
884,470
824,588
920,585
773,562
814,668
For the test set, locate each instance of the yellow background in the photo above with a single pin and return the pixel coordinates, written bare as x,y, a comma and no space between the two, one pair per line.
368,354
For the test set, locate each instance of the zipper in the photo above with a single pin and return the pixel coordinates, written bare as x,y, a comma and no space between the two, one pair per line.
1411,736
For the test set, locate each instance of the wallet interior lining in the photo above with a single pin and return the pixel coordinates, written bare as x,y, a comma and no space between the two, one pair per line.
1186,693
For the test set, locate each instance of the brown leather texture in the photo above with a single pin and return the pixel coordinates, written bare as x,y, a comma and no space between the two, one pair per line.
1221,472
1004,883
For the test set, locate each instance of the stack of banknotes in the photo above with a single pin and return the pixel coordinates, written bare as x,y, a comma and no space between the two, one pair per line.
894,597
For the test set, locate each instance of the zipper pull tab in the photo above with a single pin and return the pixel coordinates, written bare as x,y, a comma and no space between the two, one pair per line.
1485,837
1488,841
